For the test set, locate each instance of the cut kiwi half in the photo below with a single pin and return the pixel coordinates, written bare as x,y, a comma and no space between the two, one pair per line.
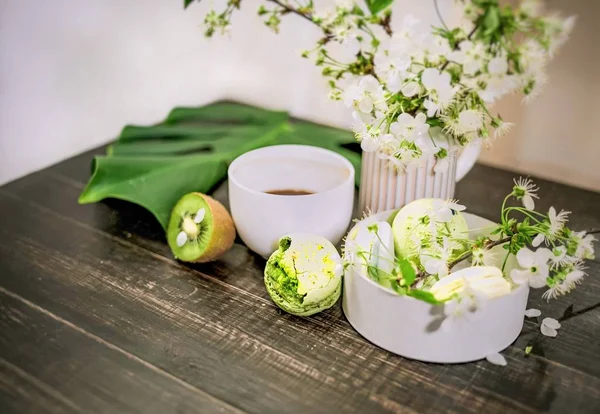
200,229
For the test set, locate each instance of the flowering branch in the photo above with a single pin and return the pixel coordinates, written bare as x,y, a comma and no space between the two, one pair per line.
421,92
431,243
302,12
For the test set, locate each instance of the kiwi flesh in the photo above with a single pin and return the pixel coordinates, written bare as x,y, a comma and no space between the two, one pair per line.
200,229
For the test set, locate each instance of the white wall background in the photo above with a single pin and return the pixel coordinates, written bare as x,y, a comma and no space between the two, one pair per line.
73,73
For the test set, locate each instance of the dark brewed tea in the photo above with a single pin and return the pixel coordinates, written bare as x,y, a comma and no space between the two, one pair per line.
289,192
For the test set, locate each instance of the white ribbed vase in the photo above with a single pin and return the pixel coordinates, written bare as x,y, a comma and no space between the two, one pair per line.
383,188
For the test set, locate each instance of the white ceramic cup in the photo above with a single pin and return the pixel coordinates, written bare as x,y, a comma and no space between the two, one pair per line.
262,218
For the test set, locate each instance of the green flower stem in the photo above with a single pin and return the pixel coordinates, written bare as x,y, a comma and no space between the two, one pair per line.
504,261
503,209
526,212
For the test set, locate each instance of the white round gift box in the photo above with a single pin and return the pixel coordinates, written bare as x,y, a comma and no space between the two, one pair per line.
412,328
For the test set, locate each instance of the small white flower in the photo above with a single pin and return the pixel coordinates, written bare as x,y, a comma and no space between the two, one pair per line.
470,120
435,260
432,107
465,306
443,210
555,291
525,191
391,66
411,89
498,66
503,128
408,127
438,85
584,245
535,267
485,257
470,55
574,276
435,266
555,226
532,313
368,130
549,327
344,4
496,359
366,95
559,257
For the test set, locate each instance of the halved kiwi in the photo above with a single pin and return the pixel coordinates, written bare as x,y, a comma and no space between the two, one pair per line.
200,229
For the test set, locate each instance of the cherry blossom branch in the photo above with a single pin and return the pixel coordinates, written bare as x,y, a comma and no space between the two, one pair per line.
421,274
489,245
291,9
469,36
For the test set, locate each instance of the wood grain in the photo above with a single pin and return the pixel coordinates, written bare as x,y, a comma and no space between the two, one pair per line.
57,367
194,300
104,269
129,222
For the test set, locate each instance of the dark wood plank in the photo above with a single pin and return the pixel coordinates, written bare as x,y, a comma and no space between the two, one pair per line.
22,393
49,365
146,303
132,223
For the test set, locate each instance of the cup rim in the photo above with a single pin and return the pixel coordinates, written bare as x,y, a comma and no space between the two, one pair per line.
231,175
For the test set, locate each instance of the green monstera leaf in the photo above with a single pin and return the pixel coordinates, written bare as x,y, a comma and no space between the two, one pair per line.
154,166
375,6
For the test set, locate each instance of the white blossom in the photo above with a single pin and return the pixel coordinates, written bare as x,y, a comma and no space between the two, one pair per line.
525,191
470,55
559,256
368,130
485,257
469,120
391,66
584,245
502,128
532,313
438,85
408,127
549,327
365,95
534,267
465,306
555,291
496,359
443,210
344,4
555,226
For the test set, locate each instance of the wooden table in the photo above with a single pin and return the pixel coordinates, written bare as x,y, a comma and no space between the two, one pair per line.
96,316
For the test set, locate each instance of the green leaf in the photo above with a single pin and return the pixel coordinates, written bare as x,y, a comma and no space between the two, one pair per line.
408,272
423,295
491,20
154,166
186,3
154,183
375,6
